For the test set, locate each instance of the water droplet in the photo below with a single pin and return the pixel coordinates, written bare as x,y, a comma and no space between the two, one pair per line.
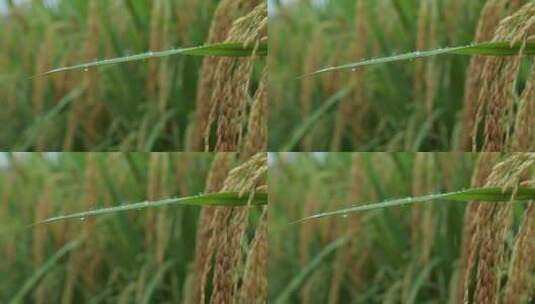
82,218
353,69
86,69
344,215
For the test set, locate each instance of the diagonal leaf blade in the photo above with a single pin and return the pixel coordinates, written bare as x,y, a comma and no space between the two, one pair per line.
32,281
304,274
224,199
310,121
474,194
482,49
227,49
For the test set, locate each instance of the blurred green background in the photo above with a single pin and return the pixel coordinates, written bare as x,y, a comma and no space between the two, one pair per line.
389,255
141,106
405,106
141,256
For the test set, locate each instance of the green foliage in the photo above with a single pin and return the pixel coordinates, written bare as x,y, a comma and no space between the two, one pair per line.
482,49
416,105
152,249
143,105
225,199
386,254
474,194
213,50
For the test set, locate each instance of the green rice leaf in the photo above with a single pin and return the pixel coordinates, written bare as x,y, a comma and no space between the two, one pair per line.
224,199
156,280
482,49
310,121
305,273
32,281
474,194
39,124
227,49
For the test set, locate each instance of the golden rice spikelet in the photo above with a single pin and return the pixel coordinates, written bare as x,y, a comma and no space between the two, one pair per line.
229,99
492,13
231,225
493,220
254,286
483,169
520,282
227,11
257,133
204,248
496,107
524,136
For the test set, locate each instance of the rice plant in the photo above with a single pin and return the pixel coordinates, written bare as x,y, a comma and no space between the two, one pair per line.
402,75
129,228
132,75
446,228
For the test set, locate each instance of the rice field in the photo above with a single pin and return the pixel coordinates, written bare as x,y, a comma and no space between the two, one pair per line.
446,75
138,82
207,244
134,163
332,241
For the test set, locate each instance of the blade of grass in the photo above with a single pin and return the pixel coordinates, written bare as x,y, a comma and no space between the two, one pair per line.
43,270
421,280
135,16
299,280
310,121
482,49
151,288
403,13
157,130
33,130
474,194
225,199
227,49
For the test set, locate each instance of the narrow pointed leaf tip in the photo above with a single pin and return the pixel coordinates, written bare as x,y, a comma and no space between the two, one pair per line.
474,194
227,49
482,49
224,199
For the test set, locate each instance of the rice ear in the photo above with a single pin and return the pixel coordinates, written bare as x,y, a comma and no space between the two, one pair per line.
205,248
496,108
229,101
223,19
